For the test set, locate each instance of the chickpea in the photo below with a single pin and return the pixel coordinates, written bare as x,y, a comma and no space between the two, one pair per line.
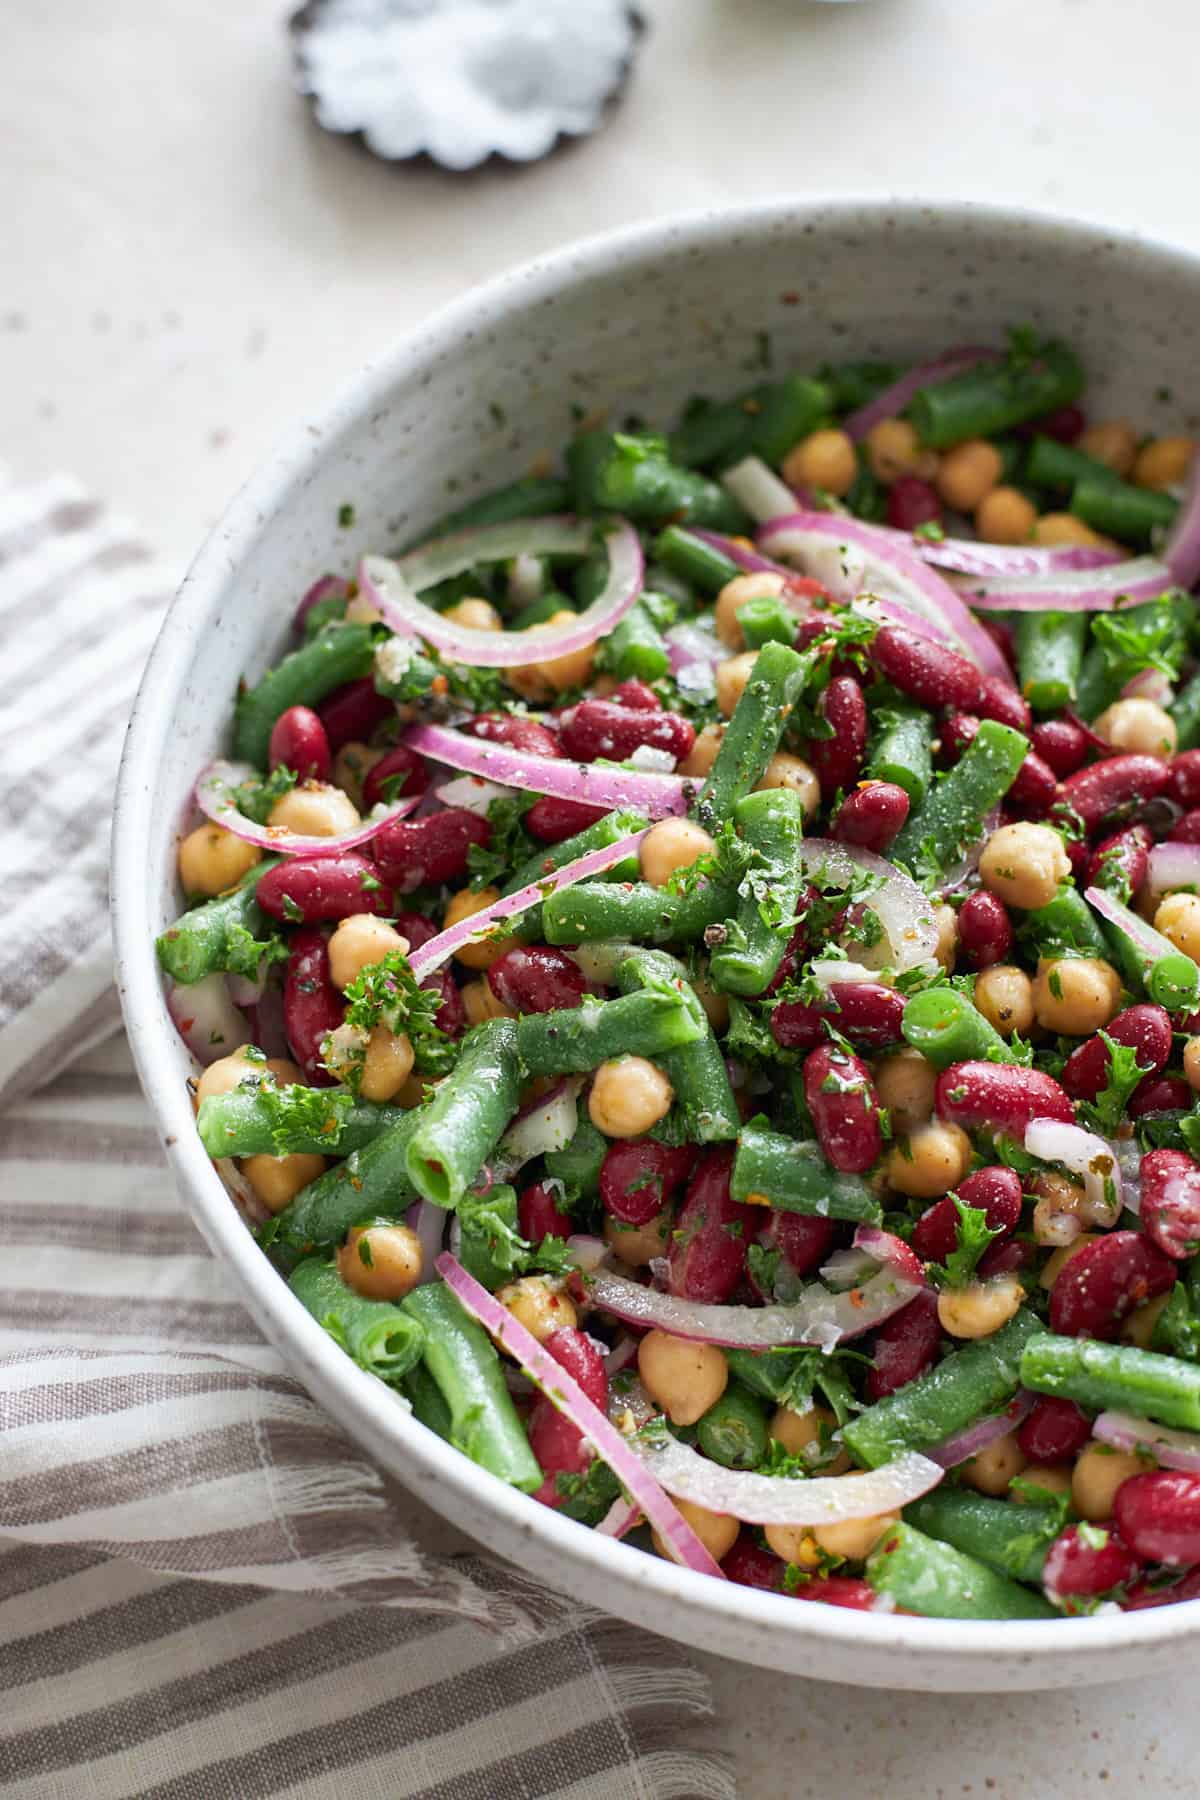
716,1005
1139,727
286,1072
246,1063
1139,1326
894,449
1055,1263
475,614
415,1089
1164,462
732,678
316,809
946,949
1113,442
278,1179
800,1434
1005,516
387,1064
671,845
968,473
629,1095
542,680
1076,995
929,1162
980,1308
683,1376
1178,918
1023,864
359,941
1098,1473
359,611
735,593
703,753
1062,1210
718,1532
381,1262
1055,1478
212,859
905,1083
787,771
637,1245
480,1003
825,459
539,1306
854,1538
464,905
604,687
795,1544
1054,529
1191,1062
991,1471
1004,995
351,766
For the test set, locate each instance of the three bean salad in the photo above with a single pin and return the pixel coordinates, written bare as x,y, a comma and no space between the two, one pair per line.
697,967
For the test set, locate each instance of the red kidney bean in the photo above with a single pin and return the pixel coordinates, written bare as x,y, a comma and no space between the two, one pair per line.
803,1239
1159,1093
298,742
560,1446
1061,744
1185,830
1158,1515
551,820
602,728
813,627
1004,1257
1184,784
996,1190
1002,702
451,1015
1077,855
839,1590
1120,862
926,671
1170,1211
1075,1566
352,712
751,1566
864,1011
1146,1030
401,771
1035,789
1000,1097
1065,424
639,1176
912,502
905,1346
1112,790
414,853
536,978
954,734
416,928
1105,1281
1144,1594
707,1256
306,888
842,1103
797,948
836,759
312,1006
517,732
871,816
638,695
539,1214
985,931
1054,1430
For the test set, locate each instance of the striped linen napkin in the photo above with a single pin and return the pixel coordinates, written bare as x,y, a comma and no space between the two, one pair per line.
205,1590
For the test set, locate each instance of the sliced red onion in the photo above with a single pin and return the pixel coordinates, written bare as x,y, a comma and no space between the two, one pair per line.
758,490
886,1248
472,793
214,798
661,796
1087,1155
1182,551
1129,1161
968,556
892,572
688,644
1149,684
1172,1448
433,954
893,400
818,1317
774,1500
848,1268
545,1124
825,970
586,1252
967,1443
1151,942
904,912
244,992
1174,866
561,1388
206,1018
393,588
962,873
750,561
526,579
327,587
1076,590
429,1223
623,1352
251,1208
620,1518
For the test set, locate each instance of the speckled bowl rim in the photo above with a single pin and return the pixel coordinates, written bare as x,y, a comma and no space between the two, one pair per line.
735,1620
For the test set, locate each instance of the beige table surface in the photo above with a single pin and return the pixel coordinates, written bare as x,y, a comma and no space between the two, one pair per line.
188,266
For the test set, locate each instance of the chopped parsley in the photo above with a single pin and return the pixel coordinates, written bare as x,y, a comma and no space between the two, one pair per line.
257,798
973,1234
385,993
1106,1112
508,845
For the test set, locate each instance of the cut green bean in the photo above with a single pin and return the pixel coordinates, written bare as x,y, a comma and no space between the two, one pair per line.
338,654
951,818
946,1028
924,1576
323,612
577,1165
733,1432
624,473
791,1175
1065,926
771,824
1050,657
1059,466
752,735
1185,710
459,1127
260,1119
533,497
608,830
1114,1377
1148,959
694,561
995,396
575,1040
855,384
425,1398
1012,1539
370,1183
545,607
766,422
636,649
766,619
376,1334
635,912
466,1367
1132,515
220,934
902,751
696,1071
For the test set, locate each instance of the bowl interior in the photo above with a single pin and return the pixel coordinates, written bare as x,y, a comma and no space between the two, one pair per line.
622,329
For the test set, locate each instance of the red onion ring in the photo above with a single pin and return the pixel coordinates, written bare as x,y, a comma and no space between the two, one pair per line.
1077,590
620,1518
661,796
212,797
1174,866
966,556
817,1317
1171,1448
960,1447
895,398
1182,551
1085,1154
891,1251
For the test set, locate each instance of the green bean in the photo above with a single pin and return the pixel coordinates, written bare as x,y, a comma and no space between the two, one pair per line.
946,1028
939,1582
577,1039
260,1119
952,815
1012,1539
733,1432
323,612
466,1367
707,432
981,1377
539,610
425,1398
1185,710
1066,925
337,654
1132,515
371,1183
636,649
1148,959
577,1164
1059,466
530,498
1098,684
793,1176
218,934
902,750
855,384
376,1334
766,619
866,497
634,475
458,1128
608,830
766,422
752,735
771,824
696,1071
1114,1377
635,911
490,1236
1049,657
995,396
689,557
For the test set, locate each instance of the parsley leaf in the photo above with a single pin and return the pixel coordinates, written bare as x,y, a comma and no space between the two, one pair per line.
1107,1110
587,1497
508,845
244,953
297,1114
974,1234
256,798
385,993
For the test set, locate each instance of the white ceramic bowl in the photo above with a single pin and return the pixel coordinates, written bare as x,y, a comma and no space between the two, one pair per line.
630,323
